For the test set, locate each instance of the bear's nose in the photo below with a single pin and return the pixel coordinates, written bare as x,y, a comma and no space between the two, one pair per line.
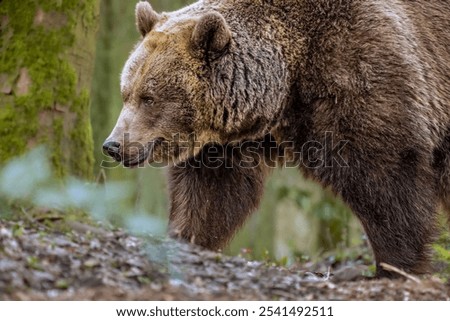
112,148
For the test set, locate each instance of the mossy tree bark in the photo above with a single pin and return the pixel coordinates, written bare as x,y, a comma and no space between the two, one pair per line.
106,99
46,62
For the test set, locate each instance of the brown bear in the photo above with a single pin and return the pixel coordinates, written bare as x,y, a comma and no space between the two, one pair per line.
364,85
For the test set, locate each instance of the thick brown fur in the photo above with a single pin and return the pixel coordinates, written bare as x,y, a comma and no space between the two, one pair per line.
211,217
372,73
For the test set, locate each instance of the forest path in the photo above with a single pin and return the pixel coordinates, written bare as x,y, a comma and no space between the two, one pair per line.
91,263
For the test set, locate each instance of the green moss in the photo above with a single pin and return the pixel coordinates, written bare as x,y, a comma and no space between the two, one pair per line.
10,136
55,83
82,133
57,152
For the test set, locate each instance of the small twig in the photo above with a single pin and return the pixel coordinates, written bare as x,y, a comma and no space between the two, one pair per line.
391,268
101,177
85,228
30,218
27,215
327,277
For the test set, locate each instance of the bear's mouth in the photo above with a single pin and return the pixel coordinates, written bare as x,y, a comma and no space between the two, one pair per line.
136,160
143,154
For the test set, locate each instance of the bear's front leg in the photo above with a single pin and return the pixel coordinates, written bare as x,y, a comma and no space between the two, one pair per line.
212,194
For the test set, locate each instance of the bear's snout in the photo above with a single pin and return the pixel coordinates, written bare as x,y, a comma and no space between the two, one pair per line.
112,148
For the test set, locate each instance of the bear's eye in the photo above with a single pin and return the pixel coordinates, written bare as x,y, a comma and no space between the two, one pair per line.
147,101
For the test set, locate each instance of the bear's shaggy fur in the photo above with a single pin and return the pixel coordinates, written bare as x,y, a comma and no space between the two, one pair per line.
371,77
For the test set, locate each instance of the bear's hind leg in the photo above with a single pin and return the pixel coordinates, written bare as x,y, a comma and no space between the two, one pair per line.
441,164
445,204
398,214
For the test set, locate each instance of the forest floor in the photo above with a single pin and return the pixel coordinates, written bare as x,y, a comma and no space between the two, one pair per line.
94,263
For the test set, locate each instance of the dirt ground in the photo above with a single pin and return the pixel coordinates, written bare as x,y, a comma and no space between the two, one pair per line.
91,263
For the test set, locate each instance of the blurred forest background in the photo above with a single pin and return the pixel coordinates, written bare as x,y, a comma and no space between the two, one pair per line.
49,51
296,219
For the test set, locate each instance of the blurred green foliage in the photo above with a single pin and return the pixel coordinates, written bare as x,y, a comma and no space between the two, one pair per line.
298,219
27,183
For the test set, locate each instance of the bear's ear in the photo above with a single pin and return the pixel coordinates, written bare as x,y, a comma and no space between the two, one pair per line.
211,36
146,17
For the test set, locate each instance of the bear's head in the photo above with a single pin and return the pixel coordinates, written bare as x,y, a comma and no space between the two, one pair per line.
188,82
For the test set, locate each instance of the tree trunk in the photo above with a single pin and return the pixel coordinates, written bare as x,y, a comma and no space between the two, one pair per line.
106,99
47,52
